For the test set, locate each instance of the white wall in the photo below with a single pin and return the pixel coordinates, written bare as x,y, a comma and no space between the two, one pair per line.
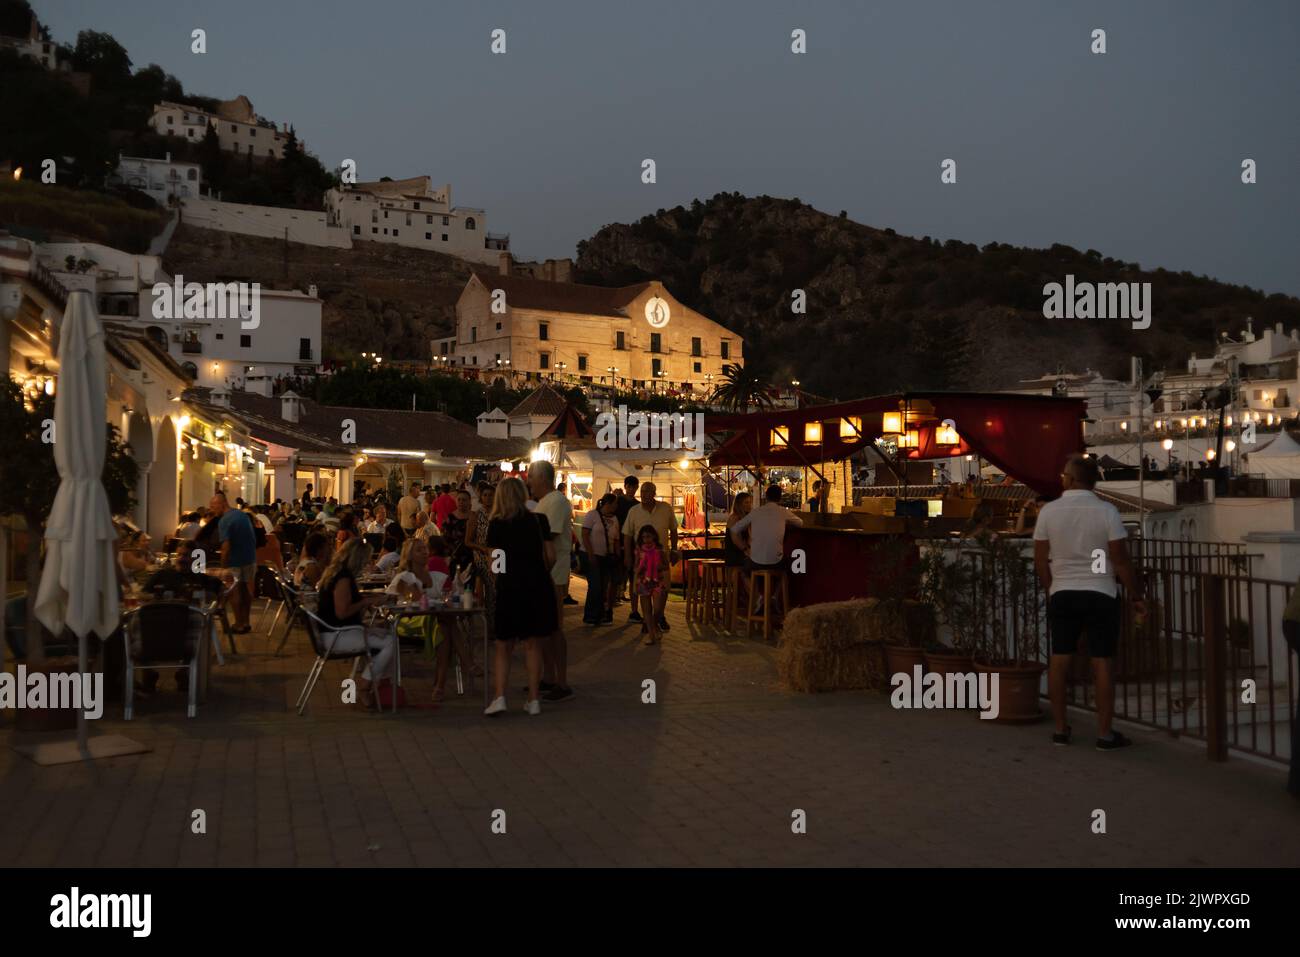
270,222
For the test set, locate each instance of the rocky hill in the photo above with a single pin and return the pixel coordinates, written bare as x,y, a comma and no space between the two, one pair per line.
888,312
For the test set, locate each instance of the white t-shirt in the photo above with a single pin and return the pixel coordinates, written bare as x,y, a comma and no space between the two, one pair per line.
766,526
1076,526
600,528
662,520
388,561
559,515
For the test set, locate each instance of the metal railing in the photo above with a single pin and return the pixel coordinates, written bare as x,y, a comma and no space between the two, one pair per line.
1209,662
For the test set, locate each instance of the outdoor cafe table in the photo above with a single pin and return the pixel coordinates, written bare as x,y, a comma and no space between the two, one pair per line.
395,610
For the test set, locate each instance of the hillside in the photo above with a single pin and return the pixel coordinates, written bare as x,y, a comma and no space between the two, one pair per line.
376,297
887,312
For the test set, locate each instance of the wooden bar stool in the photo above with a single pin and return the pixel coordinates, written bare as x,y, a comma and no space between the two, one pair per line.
690,585
765,579
711,599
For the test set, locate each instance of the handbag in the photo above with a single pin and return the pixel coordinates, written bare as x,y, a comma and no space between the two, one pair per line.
384,691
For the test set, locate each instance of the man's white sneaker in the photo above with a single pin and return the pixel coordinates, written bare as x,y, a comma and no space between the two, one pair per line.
495,708
533,707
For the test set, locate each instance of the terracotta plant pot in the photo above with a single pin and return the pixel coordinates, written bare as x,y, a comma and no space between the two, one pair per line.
901,658
1018,699
948,662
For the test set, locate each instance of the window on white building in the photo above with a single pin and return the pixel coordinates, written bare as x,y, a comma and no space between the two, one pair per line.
428,236
543,331
191,174
469,222
582,363
444,237
543,360
245,342
428,220
446,221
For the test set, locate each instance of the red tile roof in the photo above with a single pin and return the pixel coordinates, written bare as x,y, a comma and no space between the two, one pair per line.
542,401
395,429
524,293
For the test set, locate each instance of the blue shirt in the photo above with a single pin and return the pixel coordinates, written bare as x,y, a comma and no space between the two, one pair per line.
235,528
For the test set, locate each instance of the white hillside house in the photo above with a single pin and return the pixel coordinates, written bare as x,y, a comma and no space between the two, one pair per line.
412,212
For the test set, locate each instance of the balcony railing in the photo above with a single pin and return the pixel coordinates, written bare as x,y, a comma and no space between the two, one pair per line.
191,348
1207,631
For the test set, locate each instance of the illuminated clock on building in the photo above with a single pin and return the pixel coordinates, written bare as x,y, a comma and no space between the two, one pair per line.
656,312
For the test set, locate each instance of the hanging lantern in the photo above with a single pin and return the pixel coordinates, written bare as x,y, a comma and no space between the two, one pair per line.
780,437
892,423
911,439
851,427
812,432
946,435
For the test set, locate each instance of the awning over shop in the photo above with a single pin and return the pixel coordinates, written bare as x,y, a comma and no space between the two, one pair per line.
1029,437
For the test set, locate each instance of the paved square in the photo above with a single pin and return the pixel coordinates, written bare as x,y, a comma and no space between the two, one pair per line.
709,775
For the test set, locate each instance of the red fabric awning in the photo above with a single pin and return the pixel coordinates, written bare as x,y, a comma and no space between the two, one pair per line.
1027,436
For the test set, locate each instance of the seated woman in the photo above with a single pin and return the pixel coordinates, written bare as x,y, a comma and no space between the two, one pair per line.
413,580
271,552
341,606
348,529
315,556
438,556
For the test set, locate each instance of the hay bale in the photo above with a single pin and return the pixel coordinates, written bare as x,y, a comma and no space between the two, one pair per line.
832,646
812,670
837,624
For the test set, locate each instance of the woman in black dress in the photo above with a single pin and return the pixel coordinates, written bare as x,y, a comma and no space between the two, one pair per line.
520,556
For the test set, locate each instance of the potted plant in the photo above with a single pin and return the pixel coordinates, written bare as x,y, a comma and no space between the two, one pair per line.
1005,608
906,623
947,587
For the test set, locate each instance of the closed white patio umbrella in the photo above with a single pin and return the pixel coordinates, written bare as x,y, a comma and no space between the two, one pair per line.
79,580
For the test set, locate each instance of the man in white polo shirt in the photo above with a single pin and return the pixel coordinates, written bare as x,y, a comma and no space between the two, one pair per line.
659,515
1080,546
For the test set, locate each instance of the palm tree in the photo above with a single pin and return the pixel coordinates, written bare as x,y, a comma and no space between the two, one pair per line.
739,389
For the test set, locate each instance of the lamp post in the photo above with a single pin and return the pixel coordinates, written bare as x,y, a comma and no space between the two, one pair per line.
613,377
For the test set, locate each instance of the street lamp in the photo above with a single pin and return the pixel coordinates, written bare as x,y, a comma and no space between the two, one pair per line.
613,376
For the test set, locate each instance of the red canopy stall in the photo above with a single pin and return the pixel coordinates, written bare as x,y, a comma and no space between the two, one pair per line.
1027,437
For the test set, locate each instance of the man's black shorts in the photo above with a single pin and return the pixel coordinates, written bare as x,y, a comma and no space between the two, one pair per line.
1073,613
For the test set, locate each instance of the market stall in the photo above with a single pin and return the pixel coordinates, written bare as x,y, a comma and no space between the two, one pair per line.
1027,437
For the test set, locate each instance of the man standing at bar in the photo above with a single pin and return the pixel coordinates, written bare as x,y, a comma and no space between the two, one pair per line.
1080,546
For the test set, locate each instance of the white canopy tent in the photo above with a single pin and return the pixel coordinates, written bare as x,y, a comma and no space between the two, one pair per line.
1278,459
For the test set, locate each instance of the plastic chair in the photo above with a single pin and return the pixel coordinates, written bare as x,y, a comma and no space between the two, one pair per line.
323,639
170,634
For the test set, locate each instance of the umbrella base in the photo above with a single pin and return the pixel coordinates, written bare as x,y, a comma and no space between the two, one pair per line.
68,752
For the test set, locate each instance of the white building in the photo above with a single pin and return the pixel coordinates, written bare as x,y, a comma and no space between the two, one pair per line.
216,352
165,180
239,128
411,212
37,46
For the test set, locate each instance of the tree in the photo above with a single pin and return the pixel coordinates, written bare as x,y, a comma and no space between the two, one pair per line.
103,58
739,389
29,481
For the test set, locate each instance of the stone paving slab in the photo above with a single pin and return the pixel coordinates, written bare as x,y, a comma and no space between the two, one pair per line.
709,775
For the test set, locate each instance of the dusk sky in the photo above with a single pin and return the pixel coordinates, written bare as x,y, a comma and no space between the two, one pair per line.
1136,153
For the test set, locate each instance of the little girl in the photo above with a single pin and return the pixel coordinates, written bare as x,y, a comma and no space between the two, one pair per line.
651,580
